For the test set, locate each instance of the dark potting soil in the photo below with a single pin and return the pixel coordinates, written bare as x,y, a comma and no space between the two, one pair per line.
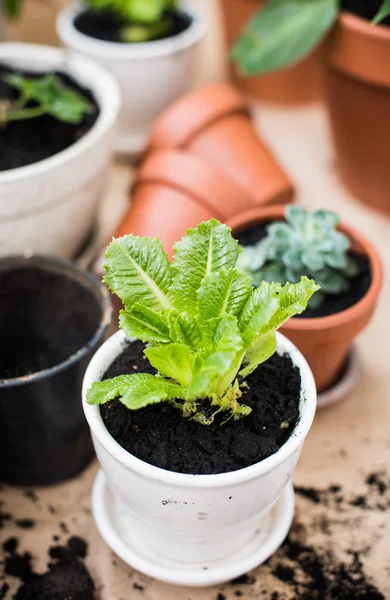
29,141
45,317
159,434
359,285
67,578
364,8
106,26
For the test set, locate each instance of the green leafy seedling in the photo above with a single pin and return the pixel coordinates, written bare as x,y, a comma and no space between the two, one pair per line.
49,95
306,244
284,32
202,320
143,20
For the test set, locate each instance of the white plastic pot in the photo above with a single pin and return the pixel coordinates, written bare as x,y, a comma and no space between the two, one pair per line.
50,206
194,518
151,75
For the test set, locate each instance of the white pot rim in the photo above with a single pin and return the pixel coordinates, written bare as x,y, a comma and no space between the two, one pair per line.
15,53
105,356
114,50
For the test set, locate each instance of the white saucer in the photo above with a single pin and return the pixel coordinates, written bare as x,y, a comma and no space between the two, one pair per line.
345,384
114,525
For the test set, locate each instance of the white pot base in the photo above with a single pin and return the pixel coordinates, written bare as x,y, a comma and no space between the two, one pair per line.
114,524
345,384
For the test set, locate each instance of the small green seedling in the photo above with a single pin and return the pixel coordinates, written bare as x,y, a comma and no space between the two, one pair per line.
48,95
143,20
202,320
284,32
306,244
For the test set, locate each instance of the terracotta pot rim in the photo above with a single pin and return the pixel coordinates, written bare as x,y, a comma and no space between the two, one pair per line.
157,169
337,319
364,27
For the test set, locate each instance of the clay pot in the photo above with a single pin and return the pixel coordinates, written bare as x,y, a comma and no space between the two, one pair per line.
358,95
299,84
325,342
213,124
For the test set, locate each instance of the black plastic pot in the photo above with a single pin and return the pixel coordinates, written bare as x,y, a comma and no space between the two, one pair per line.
53,317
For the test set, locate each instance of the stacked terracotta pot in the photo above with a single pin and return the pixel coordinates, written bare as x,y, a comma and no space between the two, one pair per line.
204,160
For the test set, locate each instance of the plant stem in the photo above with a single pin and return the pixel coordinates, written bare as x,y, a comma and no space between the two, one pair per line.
24,113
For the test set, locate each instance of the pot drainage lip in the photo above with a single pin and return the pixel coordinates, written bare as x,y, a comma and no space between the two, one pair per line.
115,526
345,384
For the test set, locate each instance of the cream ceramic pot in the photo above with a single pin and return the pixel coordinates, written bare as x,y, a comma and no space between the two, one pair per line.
151,75
50,206
195,518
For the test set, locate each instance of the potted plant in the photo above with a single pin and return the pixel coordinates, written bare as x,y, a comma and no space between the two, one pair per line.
53,316
57,120
149,46
296,84
198,432
357,55
286,243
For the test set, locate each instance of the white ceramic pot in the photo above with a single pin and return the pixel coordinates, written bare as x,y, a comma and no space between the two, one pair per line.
195,518
151,75
50,206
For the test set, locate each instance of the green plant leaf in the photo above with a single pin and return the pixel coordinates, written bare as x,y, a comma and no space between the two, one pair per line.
223,292
383,12
139,272
282,33
134,391
259,310
11,8
54,97
184,328
144,324
201,252
259,353
172,360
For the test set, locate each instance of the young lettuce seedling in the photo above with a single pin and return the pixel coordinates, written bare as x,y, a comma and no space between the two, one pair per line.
204,323
306,244
49,95
143,20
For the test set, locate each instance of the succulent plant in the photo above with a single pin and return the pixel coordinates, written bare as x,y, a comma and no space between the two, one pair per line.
306,244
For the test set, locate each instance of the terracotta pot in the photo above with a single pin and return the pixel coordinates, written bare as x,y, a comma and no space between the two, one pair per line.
325,342
358,95
175,190
213,124
296,85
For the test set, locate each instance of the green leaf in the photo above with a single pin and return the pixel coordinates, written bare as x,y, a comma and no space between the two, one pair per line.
328,217
282,33
258,311
12,8
139,272
54,97
172,360
224,292
383,12
144,324
313,260
144,11
184,328
292,299
217,364
258,354
134,391
201,252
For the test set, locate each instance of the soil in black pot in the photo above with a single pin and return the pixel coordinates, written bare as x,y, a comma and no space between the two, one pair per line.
106,25
359,285
29,141
45,317
364,8
159,435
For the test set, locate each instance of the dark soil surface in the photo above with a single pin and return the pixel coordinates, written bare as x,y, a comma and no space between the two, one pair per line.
359,285
45,317
364,8
159,435
26,142
66,578
106,26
